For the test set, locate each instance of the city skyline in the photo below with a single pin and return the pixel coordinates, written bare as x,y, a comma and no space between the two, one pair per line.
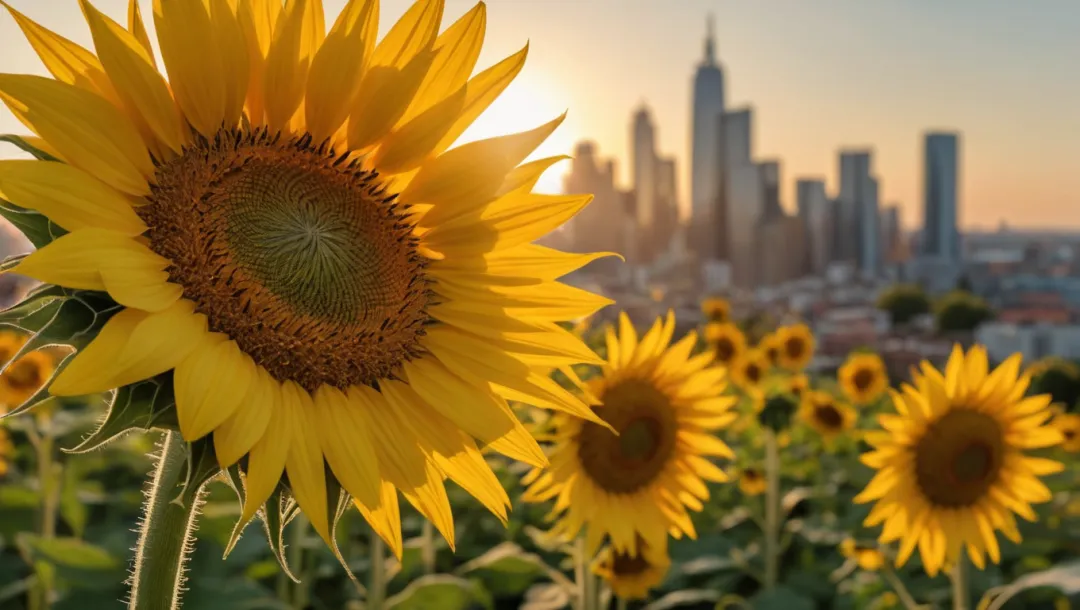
990,70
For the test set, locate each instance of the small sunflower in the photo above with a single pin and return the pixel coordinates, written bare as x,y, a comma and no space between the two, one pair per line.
336,290
24,378
951,463
749,371
666,405
1069,426
798,386
716,309
796,346
632,575
868,556
769,345
828,416
863,378
751,482
727,341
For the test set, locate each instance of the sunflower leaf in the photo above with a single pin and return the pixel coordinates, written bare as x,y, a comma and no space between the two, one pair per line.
202,465
140,406
338,502
276,515
36,227
235,480
27,147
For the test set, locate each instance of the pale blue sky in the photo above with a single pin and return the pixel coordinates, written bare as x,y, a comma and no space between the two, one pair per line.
821,74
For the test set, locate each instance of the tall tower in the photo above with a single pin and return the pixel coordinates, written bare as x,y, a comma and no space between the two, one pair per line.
705,152
941,238
643,164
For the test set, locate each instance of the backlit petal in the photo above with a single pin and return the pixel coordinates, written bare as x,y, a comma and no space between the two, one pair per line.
210,384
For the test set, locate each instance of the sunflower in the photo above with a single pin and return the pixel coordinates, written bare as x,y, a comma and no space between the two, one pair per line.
751,482
825,414
796,346
24,377
951,463
863,378
728,343
798,385
1069,426
716,309
748,372
289,234
665,405
868,556
631,575
770,346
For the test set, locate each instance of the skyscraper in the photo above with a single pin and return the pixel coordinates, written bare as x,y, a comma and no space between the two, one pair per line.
941,177
705,165
595,228
770,185
743,197
666,219
857,212
643,177
815,209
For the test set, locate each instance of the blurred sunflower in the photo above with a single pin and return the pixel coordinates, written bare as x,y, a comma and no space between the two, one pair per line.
828,416
869,557
25,376
632,575
716,309
796,346
749,371
290,235
798,385
863,378
951,463
7,450
728,343
1068,425
751,482
769,345
665,405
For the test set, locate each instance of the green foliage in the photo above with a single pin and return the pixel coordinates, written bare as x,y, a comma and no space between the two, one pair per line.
904,303
1060,379
961,312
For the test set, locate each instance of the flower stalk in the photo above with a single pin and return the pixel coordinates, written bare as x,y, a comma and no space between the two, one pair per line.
587,598
376,589
960,594
898,587
772,510
165,539
427,548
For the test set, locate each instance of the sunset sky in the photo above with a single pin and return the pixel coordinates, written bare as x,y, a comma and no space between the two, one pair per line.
821,75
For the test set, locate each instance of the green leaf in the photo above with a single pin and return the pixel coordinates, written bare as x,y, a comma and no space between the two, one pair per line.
68,552
202,465
546,596
442,592
685,599
72,509
780,598
1064,578
276,514
36,227
140,406
21,142
507,570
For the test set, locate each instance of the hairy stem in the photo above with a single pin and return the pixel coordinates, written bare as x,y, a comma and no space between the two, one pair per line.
376,591
300,525
165,539
772,510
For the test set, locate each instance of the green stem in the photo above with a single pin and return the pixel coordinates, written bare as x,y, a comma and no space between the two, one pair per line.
906,599
376,590
585,580
165,538
427,548
48,480
620,603
772,510
960,594
296,560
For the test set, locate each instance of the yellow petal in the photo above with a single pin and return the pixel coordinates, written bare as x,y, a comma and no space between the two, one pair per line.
506,223
385,517
481,91
138,30
133,345
65,60
145,288
407,147
139,85
348,444
209,385
304,465
235,436
525,176
474,172
266,461
384,95
456,52
232,56
257,19
526,261
89,132
413,33
338,67
66,195
288,59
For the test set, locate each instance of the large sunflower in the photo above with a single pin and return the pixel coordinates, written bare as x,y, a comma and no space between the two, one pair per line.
631,575
863,378
951,463
665,404
825,414
289,234
726,340
796,346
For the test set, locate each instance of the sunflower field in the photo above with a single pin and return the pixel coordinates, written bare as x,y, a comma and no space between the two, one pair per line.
290,346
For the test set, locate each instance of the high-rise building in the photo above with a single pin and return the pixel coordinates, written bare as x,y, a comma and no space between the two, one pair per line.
743,197
666,219
780,248
594,229
643,178
870,227
770,189
892,234
857,212
941,177
816,211
705,165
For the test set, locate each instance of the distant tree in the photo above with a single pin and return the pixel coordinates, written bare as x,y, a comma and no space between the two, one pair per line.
963,283
904,303
1060,379
961,311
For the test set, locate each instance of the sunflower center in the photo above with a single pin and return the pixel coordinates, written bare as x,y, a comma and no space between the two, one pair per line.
25,374
625,565
294,252
772,353
794,348
725,349
862,379
646,423
1068,434
753,372
959,458
829,416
